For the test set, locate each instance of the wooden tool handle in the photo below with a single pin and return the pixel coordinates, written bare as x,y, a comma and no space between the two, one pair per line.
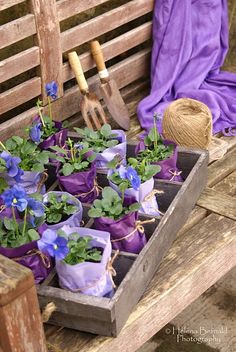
78,71
99,59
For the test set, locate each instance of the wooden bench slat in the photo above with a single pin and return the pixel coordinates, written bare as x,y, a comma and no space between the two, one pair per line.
219,203
195,262
105,23
17,30
10,67
221,168
5,4
69,8
112,48
20,94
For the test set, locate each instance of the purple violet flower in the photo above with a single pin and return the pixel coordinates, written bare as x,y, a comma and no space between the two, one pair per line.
35,132
12,163
51,89
15,197
130,174
36,207
54,245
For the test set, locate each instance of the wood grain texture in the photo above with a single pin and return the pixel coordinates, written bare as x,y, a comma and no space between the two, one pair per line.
195,262
218,203
48,38
227,185
10,67
112,48
68,8
5,4
221,168
104,23
17,30
20,94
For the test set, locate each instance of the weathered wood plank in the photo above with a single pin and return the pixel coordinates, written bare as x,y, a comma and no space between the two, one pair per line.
10,67
16,30
112,48
68,8
20,319
196,261
195,217
219,203
20,94
221,168
6,4
227,185
48,38
105,23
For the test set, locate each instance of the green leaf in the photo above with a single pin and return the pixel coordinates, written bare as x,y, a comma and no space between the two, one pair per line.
37,167
67,169
9,224
134,207
28,148
151,134
17,139
3,184
33,235
59,150
105,130
43,158
95,212
10,144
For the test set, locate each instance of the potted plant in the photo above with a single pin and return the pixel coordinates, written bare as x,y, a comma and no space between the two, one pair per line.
9,169
82,259
18,231
119,217
44,131
105,143
61,208
32,162
161,152
136,180
77,174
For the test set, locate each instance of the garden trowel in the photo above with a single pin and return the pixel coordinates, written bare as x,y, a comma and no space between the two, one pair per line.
109,89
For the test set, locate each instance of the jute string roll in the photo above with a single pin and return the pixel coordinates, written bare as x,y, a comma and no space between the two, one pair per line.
188,123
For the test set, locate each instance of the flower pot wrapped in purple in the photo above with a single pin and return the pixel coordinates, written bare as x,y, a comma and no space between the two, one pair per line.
78,172
18,235
120,219
44,131
82,259
136,181
159,152
61,208
106,144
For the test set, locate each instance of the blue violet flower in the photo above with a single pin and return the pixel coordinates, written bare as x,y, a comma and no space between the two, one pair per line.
51,89
54,245
15,197
36,207
130,174
12,163
35,132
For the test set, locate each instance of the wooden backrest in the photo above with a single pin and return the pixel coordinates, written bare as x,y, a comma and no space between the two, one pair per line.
46,32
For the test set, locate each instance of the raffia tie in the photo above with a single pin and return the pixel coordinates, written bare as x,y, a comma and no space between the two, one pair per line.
42,180
109,269
138,227
152,194
2,207
174,173
95,187
45,260
47,312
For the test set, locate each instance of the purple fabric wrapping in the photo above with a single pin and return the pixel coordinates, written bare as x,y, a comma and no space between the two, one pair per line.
39,263
74,220
148,206
121,228
29,181
190,44
169,170
108,154
81,184
88,278
59,138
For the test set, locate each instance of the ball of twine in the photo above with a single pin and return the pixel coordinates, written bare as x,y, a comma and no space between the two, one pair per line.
188,123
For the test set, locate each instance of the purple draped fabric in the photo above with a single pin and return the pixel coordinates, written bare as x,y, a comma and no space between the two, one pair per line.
190,42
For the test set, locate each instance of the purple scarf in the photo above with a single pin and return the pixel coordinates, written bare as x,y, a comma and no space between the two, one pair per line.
190,42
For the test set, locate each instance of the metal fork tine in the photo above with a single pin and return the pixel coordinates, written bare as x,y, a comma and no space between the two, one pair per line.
86,119
102,114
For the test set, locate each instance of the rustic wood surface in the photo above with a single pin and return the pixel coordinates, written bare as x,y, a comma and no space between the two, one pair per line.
20,320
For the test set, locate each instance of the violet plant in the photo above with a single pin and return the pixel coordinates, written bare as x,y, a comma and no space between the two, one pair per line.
26,214
111,205
77,158
9,165
73,249
58,207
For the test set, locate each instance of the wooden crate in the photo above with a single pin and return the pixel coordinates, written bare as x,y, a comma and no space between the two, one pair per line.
134,272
